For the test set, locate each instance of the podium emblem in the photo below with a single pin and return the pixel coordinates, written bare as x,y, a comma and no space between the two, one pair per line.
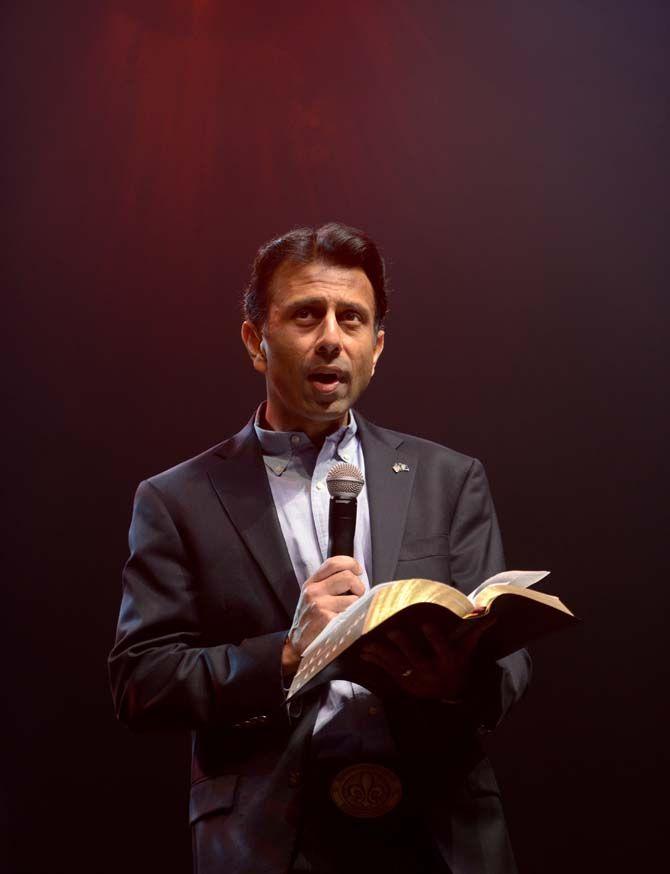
366,790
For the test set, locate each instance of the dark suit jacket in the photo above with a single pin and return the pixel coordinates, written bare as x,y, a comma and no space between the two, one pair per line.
208,596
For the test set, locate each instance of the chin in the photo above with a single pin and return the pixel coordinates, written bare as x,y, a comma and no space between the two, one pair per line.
328,410
332,411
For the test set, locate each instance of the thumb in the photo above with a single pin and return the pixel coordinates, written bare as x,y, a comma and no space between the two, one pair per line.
471,636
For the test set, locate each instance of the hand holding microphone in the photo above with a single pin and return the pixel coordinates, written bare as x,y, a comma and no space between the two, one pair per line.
337,583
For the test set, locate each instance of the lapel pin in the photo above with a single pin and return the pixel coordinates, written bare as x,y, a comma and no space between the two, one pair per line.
398,466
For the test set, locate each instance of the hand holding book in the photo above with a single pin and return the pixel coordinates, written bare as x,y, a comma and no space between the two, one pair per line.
500,616
427,663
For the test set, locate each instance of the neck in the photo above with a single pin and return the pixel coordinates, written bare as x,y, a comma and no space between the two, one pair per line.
316,431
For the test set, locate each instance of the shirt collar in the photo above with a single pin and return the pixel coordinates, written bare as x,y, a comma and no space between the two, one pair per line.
278,447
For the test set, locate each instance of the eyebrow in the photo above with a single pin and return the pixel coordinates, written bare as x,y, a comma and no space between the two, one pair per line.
319,301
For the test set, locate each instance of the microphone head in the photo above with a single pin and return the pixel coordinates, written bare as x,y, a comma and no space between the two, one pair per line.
345,481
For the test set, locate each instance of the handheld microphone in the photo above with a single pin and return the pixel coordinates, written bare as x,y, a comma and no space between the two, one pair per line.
345,482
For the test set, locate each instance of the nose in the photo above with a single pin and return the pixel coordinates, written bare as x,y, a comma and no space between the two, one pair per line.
330,341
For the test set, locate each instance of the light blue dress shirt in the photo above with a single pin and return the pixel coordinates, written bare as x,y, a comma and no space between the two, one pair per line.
351,721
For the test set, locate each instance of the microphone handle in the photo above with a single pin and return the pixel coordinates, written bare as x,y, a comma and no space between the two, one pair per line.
341,526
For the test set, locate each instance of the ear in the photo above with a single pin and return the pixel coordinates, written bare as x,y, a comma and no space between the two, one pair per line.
254,345
379,348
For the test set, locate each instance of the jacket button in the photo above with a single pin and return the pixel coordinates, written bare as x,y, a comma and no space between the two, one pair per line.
294,778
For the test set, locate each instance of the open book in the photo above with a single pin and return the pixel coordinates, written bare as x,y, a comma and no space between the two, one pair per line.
521,616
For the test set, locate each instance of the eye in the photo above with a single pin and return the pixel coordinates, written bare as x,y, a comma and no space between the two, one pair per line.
351,316
303,313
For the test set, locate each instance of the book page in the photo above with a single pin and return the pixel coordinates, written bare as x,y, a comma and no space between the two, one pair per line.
522,579
488,595
405,593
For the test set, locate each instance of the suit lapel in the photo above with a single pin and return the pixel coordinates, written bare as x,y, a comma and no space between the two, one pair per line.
389,493
241,482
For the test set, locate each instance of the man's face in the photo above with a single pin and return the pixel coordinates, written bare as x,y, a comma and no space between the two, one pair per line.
319,344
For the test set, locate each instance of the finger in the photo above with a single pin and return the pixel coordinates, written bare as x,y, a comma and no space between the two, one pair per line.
335,564
391,654
470,640
472,628
386,656
373,658
337,603
437,639
465,636
338,584
341,583
307,627
407,645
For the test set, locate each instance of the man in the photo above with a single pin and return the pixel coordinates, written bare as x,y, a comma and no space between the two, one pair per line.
229,580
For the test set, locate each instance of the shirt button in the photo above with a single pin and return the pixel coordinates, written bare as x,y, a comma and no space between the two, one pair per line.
345,456
295,439
373,711
319,486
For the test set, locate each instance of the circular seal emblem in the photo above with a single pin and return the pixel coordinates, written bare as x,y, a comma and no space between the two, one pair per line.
366,790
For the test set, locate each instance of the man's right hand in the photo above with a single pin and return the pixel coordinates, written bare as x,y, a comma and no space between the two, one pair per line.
329,591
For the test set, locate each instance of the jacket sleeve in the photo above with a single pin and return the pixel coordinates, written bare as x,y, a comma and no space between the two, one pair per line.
161,673
476,553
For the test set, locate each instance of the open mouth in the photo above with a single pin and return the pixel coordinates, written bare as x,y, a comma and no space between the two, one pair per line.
325,378
326,381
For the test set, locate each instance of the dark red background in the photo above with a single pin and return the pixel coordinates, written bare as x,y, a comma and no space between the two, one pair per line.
511,160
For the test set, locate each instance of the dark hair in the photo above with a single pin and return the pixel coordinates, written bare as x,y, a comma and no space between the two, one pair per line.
333,244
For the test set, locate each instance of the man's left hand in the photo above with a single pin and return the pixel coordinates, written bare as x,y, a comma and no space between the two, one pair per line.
438,667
